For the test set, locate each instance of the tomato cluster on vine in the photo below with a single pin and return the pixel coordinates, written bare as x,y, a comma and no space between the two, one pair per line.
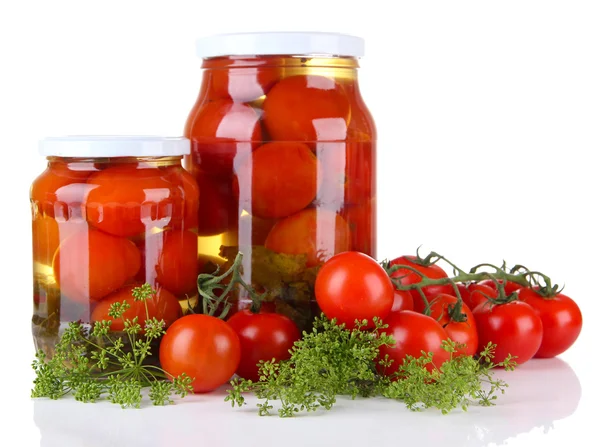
520,312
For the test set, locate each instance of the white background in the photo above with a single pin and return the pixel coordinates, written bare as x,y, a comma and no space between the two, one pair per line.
489,130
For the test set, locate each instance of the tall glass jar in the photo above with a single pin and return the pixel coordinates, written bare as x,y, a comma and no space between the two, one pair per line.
283,151
110,214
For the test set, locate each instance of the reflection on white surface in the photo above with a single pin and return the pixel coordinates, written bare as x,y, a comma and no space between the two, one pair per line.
540,393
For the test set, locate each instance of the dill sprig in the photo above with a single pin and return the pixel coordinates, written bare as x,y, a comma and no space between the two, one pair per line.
92,363
332,361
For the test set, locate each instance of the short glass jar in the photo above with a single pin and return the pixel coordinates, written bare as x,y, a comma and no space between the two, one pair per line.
283,151
110,214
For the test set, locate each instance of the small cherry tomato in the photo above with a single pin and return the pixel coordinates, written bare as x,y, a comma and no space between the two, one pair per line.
176,269
561,319
222,131
413,332
514,327
279,179
49,191
479,293
125,200
403,300
89,265
263,336
205,348
408,277
315,232
353,286
462,332
162,306
307,108
509,286
242,84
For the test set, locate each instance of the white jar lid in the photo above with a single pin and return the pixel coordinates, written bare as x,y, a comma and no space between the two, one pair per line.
280,43
114,146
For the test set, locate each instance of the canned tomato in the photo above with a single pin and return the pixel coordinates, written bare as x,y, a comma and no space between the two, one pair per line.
283,151
110,214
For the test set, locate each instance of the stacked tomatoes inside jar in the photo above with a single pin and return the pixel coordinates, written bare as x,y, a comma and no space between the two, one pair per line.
283,151
110,214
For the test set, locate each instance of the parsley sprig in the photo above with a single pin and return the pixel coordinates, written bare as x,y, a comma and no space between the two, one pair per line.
93,363
331,361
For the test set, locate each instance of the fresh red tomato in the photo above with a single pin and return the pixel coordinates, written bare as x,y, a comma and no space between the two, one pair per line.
509,286
263,336
463,332
176,269
221,131
89,265
61,185
162,306
279,179
242,84
353,286
479,293
315,232
403,300
407,276
413,333
561,318
205,348
307,108
514,328
120,201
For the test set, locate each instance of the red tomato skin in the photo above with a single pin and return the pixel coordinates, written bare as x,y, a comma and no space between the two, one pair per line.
464,332
514,328
177,264
205,348
280,178
218,212
242,84
362,220
561,319
117,202
479,293
307,108
189,187
409,277
263,336
509,286
353,286
89,265
220,132
52,190
403,300
163,306
413,333
297,234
